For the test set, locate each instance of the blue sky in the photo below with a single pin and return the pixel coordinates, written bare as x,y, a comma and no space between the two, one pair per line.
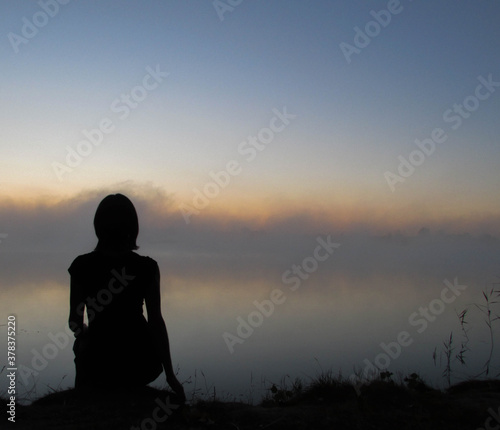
225,77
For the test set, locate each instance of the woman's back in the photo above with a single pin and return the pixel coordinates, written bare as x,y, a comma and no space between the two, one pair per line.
118,341
113,285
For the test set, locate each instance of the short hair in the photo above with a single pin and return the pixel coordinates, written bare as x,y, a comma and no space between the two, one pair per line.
116,224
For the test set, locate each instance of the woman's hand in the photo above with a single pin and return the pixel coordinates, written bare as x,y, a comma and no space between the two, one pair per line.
177,387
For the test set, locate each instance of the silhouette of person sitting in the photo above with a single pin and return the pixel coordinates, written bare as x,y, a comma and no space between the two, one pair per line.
119,349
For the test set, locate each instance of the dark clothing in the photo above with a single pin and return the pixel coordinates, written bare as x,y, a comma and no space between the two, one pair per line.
117,349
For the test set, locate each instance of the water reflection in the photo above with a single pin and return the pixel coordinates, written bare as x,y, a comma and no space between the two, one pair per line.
333,321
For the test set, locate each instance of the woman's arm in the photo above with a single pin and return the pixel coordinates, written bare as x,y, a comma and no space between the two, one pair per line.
77,308
160,335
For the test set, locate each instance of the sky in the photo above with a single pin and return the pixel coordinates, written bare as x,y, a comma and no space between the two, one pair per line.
355,104
243,130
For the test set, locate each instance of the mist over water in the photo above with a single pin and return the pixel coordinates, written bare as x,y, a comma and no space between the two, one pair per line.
375,298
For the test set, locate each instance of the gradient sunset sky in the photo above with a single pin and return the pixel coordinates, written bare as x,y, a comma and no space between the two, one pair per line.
229,70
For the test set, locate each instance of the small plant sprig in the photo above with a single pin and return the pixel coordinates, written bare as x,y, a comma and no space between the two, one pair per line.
415,382
489,298
448,349
464,346
283,392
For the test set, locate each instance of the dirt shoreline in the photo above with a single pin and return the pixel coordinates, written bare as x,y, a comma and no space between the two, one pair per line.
469,405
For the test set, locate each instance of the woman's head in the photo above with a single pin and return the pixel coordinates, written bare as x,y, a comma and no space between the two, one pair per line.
116,224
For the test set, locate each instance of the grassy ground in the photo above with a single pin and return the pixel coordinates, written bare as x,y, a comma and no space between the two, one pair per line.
326,403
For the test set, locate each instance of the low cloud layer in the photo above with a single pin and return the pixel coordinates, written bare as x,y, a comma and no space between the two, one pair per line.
44,237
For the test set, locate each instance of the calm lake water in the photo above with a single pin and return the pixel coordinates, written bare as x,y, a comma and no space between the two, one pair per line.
382,300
